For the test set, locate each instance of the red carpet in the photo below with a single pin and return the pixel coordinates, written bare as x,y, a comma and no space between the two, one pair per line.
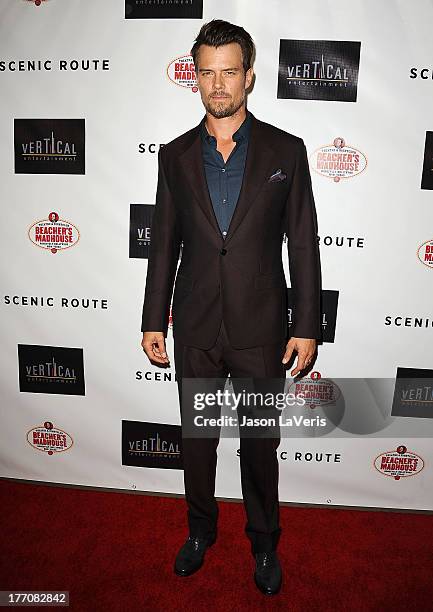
115,551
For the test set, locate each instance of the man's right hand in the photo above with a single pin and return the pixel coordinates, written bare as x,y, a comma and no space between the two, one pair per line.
153,344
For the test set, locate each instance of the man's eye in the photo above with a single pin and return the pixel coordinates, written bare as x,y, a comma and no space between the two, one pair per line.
230,72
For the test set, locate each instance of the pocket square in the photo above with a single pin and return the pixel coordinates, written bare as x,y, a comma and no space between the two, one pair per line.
277,176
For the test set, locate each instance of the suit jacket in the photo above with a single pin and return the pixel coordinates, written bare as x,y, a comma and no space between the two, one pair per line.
240,278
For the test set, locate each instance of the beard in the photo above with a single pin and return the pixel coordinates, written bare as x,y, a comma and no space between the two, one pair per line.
219,110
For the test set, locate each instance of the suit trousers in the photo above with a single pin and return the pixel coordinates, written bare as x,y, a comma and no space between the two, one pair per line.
258,455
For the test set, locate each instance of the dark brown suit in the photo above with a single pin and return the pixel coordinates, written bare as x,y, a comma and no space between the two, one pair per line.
229,302
240,278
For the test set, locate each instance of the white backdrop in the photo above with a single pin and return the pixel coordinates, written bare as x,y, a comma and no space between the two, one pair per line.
134,102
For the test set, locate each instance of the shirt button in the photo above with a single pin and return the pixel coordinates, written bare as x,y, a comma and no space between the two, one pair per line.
223,169
224,233
224,201
223,251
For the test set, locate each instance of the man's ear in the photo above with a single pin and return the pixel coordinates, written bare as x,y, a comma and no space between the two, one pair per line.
249,77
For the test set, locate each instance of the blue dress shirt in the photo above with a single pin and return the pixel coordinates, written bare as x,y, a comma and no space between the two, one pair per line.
224,179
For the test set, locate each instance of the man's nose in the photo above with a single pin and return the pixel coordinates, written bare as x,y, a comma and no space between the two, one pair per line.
218,83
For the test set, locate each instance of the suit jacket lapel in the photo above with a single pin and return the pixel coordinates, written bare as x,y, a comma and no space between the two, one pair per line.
257,163
192,162
259,156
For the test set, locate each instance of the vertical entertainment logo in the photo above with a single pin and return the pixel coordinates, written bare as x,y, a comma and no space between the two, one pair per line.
49,146
413,393
329,308
318,70
140,221
51,369
163,9
156,445
427,170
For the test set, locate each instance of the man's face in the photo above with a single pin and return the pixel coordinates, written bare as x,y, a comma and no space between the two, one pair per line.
221,79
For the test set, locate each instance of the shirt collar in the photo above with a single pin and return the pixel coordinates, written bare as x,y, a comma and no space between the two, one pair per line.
242,133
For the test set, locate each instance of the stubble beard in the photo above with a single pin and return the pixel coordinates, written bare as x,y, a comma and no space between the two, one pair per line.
219,111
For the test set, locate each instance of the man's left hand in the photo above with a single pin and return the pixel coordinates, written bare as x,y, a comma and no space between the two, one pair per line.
305,347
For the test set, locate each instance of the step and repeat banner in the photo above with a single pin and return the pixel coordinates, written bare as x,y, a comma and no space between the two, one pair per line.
90,91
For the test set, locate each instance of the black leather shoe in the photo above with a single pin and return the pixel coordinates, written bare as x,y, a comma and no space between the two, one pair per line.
190,557
268,575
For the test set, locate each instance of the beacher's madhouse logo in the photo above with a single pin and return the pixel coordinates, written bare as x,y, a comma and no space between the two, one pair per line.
315,390
49,146
425,253
49,439
399,463
181,71
338,160
54,234
318,70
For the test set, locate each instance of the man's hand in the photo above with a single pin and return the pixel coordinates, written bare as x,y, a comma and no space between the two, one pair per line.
153,344
305,347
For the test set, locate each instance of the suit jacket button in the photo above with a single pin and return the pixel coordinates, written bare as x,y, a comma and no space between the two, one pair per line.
223,251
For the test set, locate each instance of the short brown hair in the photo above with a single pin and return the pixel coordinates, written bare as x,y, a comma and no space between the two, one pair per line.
217,32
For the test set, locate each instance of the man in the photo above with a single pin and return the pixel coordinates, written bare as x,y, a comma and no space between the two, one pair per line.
228,190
